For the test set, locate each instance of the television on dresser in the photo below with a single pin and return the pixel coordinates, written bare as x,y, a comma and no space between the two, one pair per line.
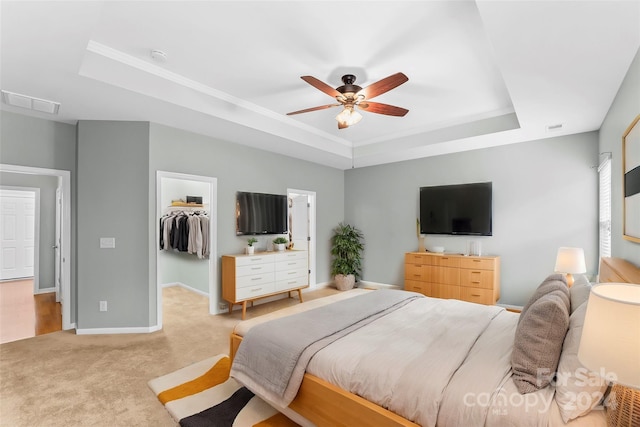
460,209
261,213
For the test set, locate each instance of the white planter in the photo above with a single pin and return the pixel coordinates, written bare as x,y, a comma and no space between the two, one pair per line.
249,250
344,283
278,246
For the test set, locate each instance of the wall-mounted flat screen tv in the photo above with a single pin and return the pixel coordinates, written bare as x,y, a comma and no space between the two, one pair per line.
463,209
260,213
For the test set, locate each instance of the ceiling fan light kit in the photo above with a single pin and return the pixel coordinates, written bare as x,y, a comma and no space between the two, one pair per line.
350,95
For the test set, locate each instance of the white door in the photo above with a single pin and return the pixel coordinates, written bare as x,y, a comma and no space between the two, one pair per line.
57,247
17,234
299,221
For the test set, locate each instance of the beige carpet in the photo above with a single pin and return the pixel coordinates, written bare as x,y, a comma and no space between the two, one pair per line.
63,379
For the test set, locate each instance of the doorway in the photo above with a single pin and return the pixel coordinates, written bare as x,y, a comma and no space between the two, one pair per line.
174,267
62,224
302,226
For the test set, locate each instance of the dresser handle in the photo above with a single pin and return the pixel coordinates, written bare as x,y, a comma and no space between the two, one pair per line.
417,275
475,295
475,281
256,268
476,260
291,282
292,263
291,272
256,278
256,289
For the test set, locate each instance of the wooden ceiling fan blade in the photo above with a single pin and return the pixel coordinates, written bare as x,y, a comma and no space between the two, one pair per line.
322,86
342,125
384,85
307,110
379,108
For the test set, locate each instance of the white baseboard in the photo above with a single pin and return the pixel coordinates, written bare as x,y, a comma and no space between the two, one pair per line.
131,330
187,287
374,285
44,291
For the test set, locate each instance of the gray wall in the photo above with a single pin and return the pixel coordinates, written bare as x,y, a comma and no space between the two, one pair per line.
47,185
625,107
544,196
241,168
113,194
28,141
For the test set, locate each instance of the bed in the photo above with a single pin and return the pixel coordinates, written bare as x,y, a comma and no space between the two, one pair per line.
449,378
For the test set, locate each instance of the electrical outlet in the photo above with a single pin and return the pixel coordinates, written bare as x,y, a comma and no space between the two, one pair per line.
223,306
103,306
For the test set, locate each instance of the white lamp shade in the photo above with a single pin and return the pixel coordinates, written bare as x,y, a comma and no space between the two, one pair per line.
610,342
570,260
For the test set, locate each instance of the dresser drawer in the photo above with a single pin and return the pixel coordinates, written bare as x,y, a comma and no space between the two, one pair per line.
288,274
416,272
255,291
445,261
249,270
444,275
477,278
253,259
478,263
291,264
291,283
477,295
415,286
418,259
256,279
445,291
289,255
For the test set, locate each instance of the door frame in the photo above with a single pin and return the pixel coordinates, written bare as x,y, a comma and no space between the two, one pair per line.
311,199
36,230
214,292
64,183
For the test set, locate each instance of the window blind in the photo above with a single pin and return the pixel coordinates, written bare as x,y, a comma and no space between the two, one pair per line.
604,178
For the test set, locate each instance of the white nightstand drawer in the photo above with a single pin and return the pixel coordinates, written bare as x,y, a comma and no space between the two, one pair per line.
291,264
247,270
289,255
256,279
253,259
289,274
292,283
254,291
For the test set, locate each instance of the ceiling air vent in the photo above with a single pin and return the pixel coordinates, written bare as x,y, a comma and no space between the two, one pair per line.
29,102
554,128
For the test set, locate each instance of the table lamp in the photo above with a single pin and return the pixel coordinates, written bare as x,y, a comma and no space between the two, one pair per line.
570,261
610,346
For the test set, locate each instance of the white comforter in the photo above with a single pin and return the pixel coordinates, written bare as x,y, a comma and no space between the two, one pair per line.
431,361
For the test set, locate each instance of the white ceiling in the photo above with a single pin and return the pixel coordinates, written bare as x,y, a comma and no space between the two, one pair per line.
481,73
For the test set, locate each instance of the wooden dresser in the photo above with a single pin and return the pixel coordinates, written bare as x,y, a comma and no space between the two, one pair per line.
246,278
618,270
468,278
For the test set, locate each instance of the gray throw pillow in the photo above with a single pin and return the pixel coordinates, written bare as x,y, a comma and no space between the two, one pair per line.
579,292
539,336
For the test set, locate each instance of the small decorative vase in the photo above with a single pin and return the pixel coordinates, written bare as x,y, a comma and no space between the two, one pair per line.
249,250
421,247
279,246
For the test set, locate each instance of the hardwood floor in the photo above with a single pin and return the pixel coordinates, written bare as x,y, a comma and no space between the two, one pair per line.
24,315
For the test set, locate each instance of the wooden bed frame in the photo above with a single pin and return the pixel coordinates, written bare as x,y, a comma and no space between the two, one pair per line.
327,405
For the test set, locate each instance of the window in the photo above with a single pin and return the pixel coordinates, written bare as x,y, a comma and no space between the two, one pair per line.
604,201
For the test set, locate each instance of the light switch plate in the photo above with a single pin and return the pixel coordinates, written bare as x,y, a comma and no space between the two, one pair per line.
107,242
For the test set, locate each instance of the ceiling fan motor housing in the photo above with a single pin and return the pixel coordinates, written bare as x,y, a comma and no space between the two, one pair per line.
349,86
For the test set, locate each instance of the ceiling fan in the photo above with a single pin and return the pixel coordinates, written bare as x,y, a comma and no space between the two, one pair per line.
351,95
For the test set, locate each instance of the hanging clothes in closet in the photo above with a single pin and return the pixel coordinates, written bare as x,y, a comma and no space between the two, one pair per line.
185,231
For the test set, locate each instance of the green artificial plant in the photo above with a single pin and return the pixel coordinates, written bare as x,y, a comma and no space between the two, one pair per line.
347,250
251,241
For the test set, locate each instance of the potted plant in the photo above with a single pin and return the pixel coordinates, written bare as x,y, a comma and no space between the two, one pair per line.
250,242
278,243
346,249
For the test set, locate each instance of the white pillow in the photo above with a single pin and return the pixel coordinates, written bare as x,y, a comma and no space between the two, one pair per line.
579,292
578,390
